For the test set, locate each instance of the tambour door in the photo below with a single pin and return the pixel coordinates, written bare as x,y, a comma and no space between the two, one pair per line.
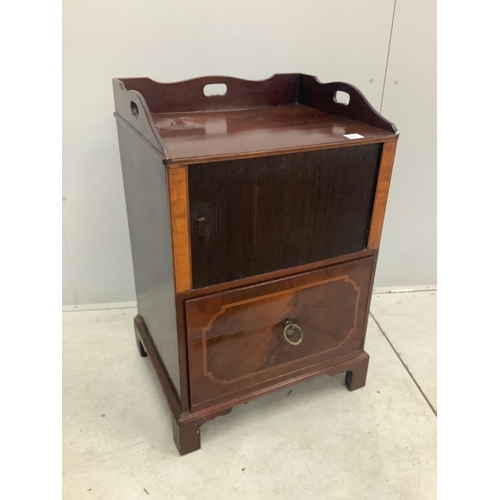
252,216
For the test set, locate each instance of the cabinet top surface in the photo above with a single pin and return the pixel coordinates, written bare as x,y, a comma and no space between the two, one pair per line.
198,135
285,113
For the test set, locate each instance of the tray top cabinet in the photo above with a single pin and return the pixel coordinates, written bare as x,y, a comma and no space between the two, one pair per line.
255,212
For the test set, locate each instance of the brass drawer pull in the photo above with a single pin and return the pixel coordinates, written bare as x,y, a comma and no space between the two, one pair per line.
292,333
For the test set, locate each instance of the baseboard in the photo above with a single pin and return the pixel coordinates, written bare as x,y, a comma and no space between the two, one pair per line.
405,289
103,305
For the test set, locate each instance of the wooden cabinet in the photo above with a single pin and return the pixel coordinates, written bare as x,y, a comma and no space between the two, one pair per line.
255,219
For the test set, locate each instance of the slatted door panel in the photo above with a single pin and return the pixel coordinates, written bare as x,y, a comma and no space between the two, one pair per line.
253,216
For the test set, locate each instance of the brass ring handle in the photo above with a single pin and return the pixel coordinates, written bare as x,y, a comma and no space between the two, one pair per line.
292,333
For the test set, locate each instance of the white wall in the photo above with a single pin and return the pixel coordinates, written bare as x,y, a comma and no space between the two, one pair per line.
408,247
170,40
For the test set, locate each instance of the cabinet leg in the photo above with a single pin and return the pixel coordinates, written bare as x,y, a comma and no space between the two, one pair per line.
187,437
356,378
140,347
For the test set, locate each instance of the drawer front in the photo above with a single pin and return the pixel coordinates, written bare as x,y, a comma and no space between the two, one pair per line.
236,339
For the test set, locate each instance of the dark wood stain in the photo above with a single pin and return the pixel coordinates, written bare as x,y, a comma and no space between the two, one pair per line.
194,137
285,113
148,348
250,217
186,96
320,96
145,185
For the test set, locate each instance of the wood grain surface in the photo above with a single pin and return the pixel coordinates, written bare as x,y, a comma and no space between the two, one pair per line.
381,194
235,338
179,215
223,135
250,217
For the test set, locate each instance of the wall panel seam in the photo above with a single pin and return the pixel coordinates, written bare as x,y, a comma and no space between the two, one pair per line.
388,55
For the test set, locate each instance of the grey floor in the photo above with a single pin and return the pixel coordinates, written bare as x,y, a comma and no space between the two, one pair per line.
316,440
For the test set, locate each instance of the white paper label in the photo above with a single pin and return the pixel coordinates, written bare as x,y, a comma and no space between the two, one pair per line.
354,136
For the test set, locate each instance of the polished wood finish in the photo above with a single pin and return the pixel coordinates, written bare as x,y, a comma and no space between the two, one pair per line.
342,364
147,202
322,96
182,351
188,95
199,137
147,344
255,226
187,429
179,213
284,114
383,182
236,337
321,204
187,437
355,377
370,286
141,121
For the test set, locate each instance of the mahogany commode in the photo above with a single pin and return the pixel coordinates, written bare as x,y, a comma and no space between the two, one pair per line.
255,220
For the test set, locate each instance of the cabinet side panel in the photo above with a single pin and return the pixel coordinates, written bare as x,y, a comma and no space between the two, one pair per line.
146,194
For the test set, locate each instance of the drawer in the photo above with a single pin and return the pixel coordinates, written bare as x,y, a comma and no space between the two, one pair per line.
244,339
